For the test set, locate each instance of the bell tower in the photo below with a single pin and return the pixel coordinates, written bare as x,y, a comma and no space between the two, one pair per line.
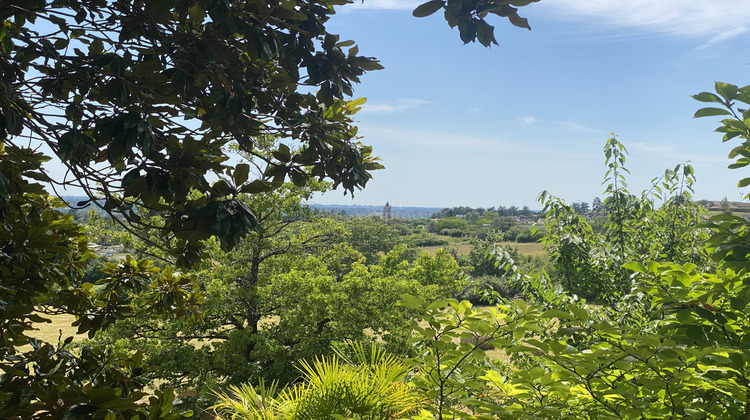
387,212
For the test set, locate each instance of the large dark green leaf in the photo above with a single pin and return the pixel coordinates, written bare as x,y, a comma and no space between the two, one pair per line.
426,9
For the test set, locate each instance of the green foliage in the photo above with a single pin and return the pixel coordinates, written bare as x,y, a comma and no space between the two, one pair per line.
287,293
451,223
728,243
522,234
674,346
589,263
44,255
484,289
451,364
154,91
451,226
504,223
734,127
580,362
477,258
469,16
424,239
493,268
372,236
368,386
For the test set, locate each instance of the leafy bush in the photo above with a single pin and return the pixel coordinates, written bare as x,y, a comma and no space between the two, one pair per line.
455,233
453,223
479,287
369,386
424,239
522,234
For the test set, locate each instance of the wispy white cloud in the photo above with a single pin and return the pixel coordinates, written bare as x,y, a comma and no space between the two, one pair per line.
527,120
690,18
671,153
571,126
721,37
653,148
534,121
443,141
400,104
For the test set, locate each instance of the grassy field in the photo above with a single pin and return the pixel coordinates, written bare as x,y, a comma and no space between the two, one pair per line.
533,249
50,331
460,248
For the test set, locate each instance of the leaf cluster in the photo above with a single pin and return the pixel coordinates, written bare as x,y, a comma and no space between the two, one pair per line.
42,259
470,16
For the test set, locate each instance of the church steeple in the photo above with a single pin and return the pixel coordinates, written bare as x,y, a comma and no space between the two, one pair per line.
387,211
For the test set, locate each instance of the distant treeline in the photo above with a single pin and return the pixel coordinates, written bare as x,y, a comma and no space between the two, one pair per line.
358,211
501,211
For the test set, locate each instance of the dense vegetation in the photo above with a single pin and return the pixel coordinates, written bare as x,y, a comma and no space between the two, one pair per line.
242,300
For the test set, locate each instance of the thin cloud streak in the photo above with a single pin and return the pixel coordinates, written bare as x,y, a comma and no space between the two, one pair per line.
686,18
724,36
672,154
535,122
571,126
400,104
440,141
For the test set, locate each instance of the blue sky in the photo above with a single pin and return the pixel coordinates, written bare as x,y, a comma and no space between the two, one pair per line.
461,124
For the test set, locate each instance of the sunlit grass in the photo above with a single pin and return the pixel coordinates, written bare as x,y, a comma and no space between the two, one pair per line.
461,249
58,329
533,249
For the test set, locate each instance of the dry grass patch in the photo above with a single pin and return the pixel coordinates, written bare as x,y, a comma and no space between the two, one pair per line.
50,332
461,249
533,249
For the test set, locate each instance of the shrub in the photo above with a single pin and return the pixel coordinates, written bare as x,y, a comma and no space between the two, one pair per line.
425,239
481,286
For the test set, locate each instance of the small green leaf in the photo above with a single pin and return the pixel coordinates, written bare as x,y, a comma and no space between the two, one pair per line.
96,47
256,187
726,90
710,112
556,313
241,172
519,21
486,33
707,97
196,13
634,266
737,304
467,29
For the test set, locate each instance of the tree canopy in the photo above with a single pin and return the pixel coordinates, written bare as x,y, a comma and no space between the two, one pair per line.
138,99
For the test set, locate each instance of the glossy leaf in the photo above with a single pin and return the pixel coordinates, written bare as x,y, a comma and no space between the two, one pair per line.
428,8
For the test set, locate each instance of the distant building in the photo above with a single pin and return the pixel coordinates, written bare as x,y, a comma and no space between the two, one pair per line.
387,212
